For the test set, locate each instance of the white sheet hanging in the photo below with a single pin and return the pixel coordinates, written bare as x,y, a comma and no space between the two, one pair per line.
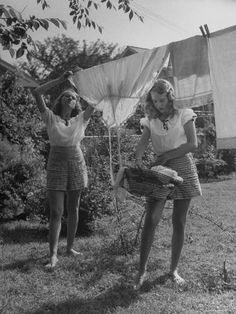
222,58
191,75
116,87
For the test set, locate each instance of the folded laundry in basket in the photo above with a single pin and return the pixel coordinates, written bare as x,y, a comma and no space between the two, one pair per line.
157,182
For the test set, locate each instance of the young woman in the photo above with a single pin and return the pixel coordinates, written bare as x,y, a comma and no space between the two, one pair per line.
173,137
66,169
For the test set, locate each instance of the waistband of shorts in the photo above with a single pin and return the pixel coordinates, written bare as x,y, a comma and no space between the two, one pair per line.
65,152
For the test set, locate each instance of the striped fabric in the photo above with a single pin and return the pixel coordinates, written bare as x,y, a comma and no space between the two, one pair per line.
146,182
66,169
186,168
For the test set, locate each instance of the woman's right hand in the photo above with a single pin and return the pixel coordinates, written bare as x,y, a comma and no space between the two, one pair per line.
138,162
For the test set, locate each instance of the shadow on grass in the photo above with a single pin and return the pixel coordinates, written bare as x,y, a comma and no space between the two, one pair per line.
12,233
165,282
107,276
120,295
108,259
160,281
26,266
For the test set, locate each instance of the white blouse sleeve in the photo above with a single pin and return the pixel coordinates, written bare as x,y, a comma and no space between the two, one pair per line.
80,119
187,115
48,117
145,122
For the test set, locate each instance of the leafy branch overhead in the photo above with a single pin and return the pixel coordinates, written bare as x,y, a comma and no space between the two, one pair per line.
15,30
80,11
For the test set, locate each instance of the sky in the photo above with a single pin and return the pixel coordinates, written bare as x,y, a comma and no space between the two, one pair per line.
165,21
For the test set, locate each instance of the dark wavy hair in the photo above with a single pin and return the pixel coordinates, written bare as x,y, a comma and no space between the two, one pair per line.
161,86
57,106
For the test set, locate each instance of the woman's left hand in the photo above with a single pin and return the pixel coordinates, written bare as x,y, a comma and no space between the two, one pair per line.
162,159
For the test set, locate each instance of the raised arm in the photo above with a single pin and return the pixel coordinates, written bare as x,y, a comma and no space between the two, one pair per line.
42,89
88,111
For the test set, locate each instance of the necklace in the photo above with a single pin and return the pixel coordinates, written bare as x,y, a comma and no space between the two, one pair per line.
66,119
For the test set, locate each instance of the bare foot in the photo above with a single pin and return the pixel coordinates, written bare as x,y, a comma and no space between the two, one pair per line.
73,252
53,262
140,280
176,278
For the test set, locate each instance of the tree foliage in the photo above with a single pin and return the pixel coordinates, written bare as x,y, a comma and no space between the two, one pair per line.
22,164
15,30
19,118
59,54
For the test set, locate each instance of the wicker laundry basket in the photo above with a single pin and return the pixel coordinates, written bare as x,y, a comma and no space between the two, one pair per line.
146,182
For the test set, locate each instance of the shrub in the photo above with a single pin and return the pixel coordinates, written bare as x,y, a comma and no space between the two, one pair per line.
208,165
228,155
23,180
97,200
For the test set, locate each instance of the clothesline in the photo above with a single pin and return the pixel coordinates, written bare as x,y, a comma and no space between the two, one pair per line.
107,136
202,71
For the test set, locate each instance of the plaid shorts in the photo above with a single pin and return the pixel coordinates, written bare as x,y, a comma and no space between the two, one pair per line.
66,169
186,168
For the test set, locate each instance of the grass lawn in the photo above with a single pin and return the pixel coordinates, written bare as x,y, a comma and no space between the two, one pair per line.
101,280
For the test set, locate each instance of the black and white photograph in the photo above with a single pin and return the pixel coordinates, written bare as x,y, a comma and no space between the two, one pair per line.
117,156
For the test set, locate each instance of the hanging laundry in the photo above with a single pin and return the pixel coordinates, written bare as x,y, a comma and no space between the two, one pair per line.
222,59
117,87
191,76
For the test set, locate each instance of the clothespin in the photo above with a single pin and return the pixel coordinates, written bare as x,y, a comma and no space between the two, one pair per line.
207,30
202,31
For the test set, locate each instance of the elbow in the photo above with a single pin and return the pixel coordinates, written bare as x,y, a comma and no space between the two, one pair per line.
35,92
38,91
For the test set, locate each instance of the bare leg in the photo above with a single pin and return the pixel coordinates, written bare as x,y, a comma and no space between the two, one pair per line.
152,218
179,221
73,202
56,204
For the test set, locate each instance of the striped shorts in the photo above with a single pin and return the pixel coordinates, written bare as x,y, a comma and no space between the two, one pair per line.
66,169
186,168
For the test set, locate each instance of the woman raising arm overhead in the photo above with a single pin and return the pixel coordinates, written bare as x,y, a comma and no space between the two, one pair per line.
66,169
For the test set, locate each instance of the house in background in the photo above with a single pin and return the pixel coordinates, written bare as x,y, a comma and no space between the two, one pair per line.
24,79
130,50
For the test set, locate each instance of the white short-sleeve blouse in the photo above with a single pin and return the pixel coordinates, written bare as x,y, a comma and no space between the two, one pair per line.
171,134
64,135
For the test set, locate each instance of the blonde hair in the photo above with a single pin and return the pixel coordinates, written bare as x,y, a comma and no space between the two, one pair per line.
57,106
161,86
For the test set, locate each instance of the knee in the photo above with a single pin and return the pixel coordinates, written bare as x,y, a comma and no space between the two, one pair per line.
154,212
178,223
152,220
73,210
55,214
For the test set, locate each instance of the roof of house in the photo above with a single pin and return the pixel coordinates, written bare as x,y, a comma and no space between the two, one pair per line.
129,50
23,78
